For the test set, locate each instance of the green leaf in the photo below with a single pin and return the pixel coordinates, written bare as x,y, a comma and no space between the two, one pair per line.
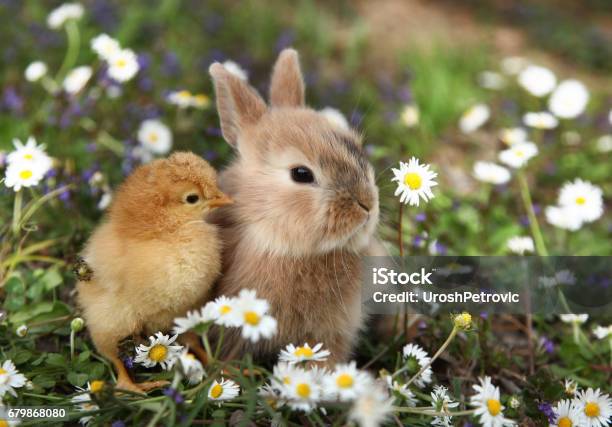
52,279
56,359
44,381
77,379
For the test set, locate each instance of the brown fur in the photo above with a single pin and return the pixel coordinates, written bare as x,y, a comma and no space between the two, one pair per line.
154,256
298,245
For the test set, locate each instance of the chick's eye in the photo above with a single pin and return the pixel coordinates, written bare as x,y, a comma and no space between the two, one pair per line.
302,174
192,198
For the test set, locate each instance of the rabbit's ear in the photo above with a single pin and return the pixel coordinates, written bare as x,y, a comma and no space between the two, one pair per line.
238,104
287,85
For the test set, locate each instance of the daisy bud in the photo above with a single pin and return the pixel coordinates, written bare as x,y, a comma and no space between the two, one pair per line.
97,385
22,331
463,321
514,402
77,324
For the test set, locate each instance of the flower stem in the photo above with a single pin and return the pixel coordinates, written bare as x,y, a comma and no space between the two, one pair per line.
431,412
219,342
533,220
207,346
72,52
17,211
72,333
435,356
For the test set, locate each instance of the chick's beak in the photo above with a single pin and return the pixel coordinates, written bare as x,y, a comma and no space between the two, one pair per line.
220,200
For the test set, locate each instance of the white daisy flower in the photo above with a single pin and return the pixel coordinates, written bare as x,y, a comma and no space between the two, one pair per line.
474,117
123,65
105,201
400,389
563,217
200,100
569,99
58,16
105,46
223,310
192,319
155,136
223,390
10,378
442,402
22,174
271,396
513,65
282,376
491,173
595,408
520,244
570,386
236,70
604,143
346,382
603,332
21,331
584,198
180,98
191,367
540,120
335,117
76,79
409,115
159,351
303,391
414,181
35,71
511,136
578,319
372,408
417,358
84,403
488,404
518,155
255,321
5,420
491,80
536,80
292,354
567,414
31,154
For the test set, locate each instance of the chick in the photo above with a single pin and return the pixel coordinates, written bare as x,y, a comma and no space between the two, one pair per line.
154,256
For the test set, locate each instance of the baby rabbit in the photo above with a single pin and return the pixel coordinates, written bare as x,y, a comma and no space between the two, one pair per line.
305,211
154,256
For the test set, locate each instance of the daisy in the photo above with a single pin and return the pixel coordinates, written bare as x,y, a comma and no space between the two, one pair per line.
31,154
410,115
76,79
518,155
540,120
192,319
346,382
255,321
569,99
236,70
604,143
577,319
401,390
180,98
442,402
5,420
474,117
84,402
271,396
282,376
335,117
511,136
584,198
513,65
491,173
10,378
58,17
303,391
105,46
292,354
570,386
35,71
416,358
491,80
200,100
488,406
191,367
223,310
105,201
159,351
536,80
602,332
123,65
414,181
155,136
22,174
372,408
562,217
567,414
595,408
520,244
463,321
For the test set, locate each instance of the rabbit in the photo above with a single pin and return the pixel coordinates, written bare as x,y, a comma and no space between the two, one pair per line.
305,211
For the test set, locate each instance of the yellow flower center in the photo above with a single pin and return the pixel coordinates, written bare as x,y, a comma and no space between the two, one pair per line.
287,380
2,371
224,309
413,180
153,137
520,153
463,320
303,352
96,386
344,381
564,422
580,200
216,391
201,99
251,318
158,353
591,409
303,390
493,406
190,356
4,423
28,156
121,63
25,174
184,94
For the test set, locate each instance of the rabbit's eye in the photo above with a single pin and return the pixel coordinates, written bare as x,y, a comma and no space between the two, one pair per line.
302,174
192,199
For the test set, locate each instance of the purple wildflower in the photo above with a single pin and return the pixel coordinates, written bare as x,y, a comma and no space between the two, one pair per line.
547,409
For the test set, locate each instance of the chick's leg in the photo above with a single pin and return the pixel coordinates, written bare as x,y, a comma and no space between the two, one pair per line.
107,347
192,340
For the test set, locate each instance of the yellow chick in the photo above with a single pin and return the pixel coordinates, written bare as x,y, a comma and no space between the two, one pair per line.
154,257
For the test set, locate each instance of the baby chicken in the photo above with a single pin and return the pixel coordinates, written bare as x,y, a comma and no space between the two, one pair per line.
154,257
